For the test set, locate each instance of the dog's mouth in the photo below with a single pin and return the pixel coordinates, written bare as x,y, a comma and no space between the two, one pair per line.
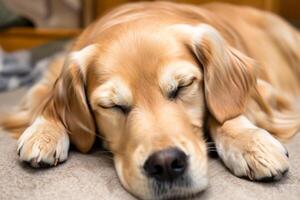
181,188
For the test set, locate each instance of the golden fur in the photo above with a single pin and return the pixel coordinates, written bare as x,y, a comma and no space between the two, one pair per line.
238,69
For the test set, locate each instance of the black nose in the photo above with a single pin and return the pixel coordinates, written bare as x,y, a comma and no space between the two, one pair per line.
166,165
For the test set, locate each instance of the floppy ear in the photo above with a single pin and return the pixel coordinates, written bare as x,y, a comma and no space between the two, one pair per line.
229,76
68,103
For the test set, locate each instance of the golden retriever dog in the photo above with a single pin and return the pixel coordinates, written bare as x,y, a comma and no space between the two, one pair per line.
150,78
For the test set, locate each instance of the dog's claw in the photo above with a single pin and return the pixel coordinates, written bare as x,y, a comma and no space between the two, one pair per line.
19,151
55,162
34,163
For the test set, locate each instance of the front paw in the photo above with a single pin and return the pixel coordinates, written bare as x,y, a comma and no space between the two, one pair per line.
43,144
255,154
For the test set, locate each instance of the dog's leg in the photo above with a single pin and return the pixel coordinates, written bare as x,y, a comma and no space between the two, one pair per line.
44,143
249,151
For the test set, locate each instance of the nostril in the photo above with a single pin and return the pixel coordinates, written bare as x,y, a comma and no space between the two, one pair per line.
157,170
178,166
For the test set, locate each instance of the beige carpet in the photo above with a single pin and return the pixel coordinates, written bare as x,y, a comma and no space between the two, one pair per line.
92,176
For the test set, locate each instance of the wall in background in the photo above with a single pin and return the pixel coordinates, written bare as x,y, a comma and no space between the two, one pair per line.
20,38
289,9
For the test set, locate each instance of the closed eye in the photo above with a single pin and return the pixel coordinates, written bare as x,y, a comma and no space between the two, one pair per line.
175,93
122,108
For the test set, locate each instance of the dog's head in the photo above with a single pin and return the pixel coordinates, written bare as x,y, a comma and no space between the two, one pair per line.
147,92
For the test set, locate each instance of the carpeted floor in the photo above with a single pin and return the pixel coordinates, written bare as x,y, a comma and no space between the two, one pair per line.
92,176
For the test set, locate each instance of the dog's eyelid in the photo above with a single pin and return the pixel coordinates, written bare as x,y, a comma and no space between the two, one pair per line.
124,108
186,82
174,93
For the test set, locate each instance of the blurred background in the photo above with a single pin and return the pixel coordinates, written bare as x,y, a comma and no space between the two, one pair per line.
32,32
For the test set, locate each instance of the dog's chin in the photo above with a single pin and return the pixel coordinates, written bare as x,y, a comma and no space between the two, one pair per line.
180,189
183,188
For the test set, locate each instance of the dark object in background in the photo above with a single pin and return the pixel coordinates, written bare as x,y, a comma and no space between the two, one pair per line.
10,19
48,13
25,67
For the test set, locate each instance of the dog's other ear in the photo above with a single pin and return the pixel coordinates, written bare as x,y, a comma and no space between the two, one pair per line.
229,76
68,103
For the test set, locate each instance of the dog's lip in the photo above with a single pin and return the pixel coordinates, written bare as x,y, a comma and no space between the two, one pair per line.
182,195
183,192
